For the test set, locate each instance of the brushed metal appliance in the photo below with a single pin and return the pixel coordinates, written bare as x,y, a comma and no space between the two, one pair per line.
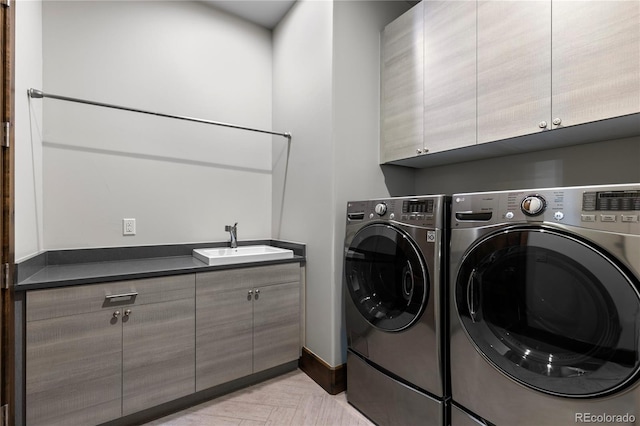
394,284
545,305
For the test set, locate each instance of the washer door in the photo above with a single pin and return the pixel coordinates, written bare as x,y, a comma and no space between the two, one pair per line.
386,277
551,312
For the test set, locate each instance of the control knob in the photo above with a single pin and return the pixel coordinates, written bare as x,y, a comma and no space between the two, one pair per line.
381,209
533,205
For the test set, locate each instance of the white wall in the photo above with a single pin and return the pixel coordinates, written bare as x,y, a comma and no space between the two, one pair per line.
303,201
326,88
28,127
181,181
356,122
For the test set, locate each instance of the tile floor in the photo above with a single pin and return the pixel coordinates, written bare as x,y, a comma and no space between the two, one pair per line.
290,399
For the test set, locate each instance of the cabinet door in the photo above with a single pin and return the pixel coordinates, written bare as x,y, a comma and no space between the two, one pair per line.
402,101
158,363
73,368
224,331
514,68
449,74
276,325
596,60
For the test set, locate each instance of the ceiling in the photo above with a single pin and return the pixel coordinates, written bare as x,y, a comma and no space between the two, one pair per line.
266,13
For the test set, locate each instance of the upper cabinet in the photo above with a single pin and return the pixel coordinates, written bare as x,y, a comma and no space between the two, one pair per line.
402,98
504,75
514,68
449,75
596,60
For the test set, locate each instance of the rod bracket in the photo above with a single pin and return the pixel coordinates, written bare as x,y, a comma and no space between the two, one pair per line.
36,94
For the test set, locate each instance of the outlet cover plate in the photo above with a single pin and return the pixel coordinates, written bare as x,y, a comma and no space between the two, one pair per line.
128,227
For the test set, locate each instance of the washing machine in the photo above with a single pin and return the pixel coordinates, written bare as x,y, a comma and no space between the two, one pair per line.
394,292
545,305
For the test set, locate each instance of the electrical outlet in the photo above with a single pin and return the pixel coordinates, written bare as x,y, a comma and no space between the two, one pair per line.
128,227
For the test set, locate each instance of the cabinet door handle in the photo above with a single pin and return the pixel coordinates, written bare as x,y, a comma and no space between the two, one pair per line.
118,296
127,312
257,294
116,314
542,124
249,294
557,121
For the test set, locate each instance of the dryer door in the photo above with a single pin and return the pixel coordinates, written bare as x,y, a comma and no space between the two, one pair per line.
551,312
386,277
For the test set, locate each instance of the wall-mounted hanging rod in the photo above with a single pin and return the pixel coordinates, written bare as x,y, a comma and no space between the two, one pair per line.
37,94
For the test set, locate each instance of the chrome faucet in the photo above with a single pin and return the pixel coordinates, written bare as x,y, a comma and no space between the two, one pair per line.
233,230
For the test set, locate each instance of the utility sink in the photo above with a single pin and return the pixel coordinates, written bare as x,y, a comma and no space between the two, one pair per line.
242,254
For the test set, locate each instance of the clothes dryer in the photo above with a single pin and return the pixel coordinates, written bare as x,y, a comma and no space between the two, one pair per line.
545,305
394,283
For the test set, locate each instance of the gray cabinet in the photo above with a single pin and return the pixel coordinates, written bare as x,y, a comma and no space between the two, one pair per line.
498,70
514,68
596,60
73,369
158,348
247,320
548,65
449,75
97,352
401,91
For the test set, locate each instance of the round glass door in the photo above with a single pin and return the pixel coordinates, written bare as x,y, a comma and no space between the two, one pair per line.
551,312
386,277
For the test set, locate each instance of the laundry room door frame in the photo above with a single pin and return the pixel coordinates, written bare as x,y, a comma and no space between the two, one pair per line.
7,193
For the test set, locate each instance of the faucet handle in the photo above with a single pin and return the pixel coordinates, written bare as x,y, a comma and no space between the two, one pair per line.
229,228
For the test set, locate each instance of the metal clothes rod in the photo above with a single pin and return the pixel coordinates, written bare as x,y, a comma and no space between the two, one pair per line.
37,94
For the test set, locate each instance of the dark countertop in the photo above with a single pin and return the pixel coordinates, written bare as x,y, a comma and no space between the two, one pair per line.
88,266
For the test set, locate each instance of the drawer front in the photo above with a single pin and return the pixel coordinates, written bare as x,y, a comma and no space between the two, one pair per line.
248,277
72,300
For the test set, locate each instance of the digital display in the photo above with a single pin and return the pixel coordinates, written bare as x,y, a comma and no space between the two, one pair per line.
417,206
611,201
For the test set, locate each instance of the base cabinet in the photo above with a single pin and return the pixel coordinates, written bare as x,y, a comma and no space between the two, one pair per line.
247,320
74,369
97,352
158,347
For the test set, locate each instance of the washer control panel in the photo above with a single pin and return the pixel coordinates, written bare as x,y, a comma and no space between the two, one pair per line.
426,210
613,208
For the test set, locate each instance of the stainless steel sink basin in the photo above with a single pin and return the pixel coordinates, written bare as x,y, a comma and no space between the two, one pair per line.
242,254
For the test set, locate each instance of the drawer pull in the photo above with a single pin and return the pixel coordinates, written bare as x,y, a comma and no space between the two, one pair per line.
118,296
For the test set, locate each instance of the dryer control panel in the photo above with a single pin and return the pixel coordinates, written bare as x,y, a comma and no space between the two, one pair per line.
614,208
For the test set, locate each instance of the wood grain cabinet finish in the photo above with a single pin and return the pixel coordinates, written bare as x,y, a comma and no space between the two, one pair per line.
83,349
74,369
596,60
514,68
498,70
158,345
247,320
449,74
401,94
